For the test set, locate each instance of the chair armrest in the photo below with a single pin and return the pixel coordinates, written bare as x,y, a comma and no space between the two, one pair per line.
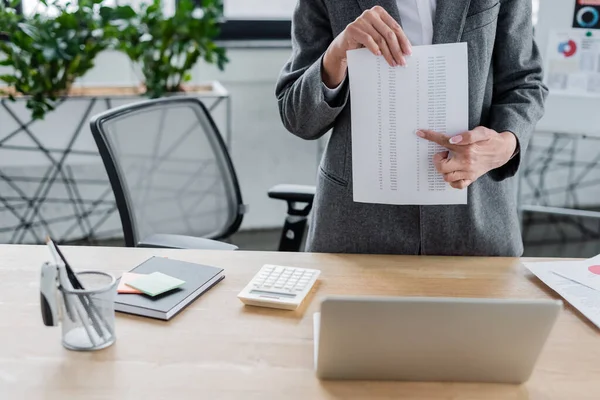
299,199
184,242
293,193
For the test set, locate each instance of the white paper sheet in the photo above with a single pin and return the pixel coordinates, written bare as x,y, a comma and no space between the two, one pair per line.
573,63
586,272
584,299
390,164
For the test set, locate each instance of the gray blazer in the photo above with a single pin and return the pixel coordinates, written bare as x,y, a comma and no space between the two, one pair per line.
506,94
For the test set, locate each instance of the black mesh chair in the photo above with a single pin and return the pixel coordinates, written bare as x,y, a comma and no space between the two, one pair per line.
173,180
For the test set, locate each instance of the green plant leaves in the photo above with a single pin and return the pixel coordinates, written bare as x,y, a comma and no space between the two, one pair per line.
9,79
48,54
167,48
30,30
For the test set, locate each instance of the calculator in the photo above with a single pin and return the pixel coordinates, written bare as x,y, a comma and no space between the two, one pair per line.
275,286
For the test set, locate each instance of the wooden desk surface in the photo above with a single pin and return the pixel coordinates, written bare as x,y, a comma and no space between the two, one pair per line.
219,349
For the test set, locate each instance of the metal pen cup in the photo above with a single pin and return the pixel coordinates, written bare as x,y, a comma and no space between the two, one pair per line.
88,321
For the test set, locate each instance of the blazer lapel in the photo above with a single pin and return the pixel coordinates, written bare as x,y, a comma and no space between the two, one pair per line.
389,5
449,20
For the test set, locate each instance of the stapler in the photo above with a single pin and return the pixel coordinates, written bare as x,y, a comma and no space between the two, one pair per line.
49,299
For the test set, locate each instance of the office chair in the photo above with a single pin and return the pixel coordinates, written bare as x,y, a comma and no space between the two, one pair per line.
173,180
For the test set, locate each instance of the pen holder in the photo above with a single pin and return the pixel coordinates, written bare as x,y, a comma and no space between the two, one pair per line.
88,315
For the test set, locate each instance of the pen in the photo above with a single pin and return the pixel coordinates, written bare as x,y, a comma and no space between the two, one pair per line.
71,304
86,327
77,285
70,273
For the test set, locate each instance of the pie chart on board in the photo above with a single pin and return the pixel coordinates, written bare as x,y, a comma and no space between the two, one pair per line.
594,269
568,49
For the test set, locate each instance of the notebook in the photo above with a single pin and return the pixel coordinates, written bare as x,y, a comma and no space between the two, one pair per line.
198,279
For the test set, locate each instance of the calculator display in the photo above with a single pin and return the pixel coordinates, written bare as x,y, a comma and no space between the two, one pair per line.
272,294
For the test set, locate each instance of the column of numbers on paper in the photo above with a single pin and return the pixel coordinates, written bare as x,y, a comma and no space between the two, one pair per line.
379,125
419,142
393,130
436,116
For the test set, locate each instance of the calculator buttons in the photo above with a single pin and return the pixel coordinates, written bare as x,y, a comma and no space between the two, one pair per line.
279,287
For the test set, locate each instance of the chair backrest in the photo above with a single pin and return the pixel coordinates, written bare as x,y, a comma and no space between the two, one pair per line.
169,169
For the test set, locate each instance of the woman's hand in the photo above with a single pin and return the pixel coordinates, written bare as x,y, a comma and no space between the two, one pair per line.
376,30
474,153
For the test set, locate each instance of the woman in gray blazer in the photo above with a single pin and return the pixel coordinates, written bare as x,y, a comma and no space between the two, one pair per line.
506,97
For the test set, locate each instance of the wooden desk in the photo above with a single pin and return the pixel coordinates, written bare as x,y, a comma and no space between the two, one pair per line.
219,349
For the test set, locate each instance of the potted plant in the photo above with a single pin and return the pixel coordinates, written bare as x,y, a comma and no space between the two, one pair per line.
48,53
168,47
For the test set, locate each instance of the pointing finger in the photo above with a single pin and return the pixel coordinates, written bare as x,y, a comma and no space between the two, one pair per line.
436,137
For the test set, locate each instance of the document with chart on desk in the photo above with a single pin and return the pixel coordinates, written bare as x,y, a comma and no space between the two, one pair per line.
390,163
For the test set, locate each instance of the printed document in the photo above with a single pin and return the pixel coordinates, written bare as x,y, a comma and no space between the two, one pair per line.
390,163
584,299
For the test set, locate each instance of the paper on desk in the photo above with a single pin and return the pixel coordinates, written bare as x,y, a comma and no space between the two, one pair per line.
584,299
585,272
390,164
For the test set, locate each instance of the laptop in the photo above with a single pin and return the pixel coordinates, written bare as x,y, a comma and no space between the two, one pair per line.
431,339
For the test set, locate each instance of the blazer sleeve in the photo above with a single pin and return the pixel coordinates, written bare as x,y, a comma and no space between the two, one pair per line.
300,93
519,93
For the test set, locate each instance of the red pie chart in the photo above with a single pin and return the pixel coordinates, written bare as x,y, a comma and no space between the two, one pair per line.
595,269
